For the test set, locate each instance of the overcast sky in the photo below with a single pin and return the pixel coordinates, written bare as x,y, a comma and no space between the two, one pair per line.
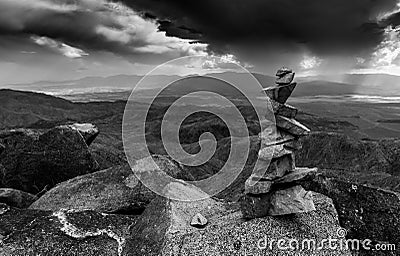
69,39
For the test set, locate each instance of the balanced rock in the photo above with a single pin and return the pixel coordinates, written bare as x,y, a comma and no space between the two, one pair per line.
16,198
285,79
280,167
255,205
275,168
273,152
293,145
34,159
283,109
291,126
290,201
271,137
114,190
283,71
272,189
257,185
88,131
199,221
280,93
300,174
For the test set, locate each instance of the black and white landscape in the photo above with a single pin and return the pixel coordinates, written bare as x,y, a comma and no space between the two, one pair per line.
76,179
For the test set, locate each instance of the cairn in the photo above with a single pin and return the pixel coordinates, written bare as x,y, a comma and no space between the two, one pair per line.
275,188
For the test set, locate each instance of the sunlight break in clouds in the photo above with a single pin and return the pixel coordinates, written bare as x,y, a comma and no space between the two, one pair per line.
310,62
386,15
64,49
218,62
388,50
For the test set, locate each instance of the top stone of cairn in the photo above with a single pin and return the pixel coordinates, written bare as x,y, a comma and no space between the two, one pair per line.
284,76
283,71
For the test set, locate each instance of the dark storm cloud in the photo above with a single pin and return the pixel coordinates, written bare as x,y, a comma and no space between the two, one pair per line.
323,27
249,29
90,25
70,24
392,20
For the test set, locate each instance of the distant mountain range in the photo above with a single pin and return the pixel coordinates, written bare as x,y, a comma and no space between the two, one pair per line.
361,84
366,84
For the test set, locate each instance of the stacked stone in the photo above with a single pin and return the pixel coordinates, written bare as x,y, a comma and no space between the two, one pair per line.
274,189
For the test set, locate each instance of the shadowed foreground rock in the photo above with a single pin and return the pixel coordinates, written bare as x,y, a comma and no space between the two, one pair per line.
16,198
112,190
164,228
34,159
33,232
366,212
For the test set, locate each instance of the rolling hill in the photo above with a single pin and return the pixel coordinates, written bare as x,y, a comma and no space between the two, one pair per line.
362,84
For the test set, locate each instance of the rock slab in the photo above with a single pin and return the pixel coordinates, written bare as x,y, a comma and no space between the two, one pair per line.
164,229
298,175
255,185
291,126
280,93
114,190
285,79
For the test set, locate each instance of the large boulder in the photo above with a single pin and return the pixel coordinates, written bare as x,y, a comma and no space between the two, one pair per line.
164,228
115,190
366,212
33,232
16,198
35,159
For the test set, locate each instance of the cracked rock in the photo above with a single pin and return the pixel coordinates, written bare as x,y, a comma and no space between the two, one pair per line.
64,233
